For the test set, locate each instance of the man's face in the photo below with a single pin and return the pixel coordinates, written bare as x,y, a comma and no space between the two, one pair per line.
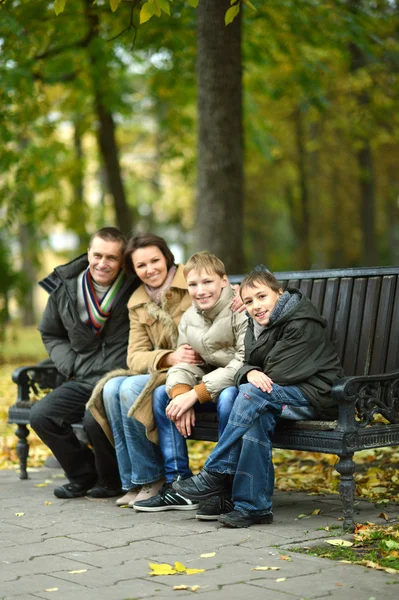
260,301
204,288
105,260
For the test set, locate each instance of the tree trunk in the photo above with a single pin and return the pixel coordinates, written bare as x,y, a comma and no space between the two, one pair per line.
29,273
303,223
220,190
79,217
106,132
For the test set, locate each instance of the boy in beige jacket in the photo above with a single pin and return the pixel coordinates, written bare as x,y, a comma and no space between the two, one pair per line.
217,334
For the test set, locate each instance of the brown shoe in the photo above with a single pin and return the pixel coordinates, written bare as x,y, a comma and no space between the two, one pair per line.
130,496
148,491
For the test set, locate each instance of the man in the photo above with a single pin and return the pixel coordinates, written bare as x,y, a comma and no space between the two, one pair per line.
85,329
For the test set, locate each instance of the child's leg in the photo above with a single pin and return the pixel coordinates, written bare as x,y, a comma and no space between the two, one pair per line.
173,445
224,405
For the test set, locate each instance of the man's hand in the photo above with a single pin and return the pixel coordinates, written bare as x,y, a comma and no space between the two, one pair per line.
260,380
179,405
183,354
237,304
186,422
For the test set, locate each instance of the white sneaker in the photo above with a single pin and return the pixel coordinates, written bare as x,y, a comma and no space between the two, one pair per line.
148,491
130,496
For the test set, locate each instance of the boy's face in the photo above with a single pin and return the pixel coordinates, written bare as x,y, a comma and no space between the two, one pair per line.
260,301
204,288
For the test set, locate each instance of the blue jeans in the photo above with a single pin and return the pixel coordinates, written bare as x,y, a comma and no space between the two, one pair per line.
139,460
245,448
173,444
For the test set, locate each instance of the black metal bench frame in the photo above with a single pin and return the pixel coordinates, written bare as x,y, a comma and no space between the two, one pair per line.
361,307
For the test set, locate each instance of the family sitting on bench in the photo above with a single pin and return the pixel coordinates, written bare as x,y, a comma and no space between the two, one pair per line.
190,348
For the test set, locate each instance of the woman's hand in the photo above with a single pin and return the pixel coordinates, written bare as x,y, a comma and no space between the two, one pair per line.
181,404
183,354
237,305
260,380
186,422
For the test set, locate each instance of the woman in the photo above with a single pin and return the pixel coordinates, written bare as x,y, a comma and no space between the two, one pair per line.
155,310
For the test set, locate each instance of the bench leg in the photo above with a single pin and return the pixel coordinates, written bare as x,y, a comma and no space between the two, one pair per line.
22,433
347,489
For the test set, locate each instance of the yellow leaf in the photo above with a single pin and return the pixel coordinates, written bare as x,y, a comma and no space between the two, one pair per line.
384,516
281,579
338,542
231,14
41,484
51,590
179,567
78,571
114,4
47,502
265,569
193,571
180,587
161,569
302,516
147,11
194,588
316,511
59,6
209,555
19,514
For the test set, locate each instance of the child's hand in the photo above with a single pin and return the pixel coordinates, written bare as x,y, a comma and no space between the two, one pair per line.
237,305
186,422
179,405
260,380
183,354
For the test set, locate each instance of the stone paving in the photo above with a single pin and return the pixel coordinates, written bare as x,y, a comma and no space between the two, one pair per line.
86,549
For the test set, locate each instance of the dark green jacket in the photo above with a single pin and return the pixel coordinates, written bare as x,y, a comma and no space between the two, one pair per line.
296,350
71,344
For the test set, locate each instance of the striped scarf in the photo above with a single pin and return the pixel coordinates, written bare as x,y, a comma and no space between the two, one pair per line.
99,310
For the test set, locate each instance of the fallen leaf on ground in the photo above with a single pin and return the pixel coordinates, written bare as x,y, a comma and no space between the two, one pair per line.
281,579
161,569
78,571
265,569
193,571
284,557
209,555
51,590
179,567
384,516
41,484
47,502
19,514
316,511
373,565
338,542
180,587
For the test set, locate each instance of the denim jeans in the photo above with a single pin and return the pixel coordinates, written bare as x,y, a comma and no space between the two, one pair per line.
139,460
245,448
173,444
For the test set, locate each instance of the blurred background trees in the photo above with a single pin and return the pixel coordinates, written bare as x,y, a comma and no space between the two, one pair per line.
274,139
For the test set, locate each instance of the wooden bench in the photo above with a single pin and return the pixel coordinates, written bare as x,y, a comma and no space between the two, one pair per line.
361,307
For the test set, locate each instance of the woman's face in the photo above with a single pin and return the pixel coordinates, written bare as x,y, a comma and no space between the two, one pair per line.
150,266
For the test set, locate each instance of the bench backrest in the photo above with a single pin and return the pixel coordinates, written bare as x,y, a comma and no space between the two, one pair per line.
361,307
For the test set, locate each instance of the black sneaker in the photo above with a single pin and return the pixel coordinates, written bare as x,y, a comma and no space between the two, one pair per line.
166,499
210,509
71,490
243,518
103,491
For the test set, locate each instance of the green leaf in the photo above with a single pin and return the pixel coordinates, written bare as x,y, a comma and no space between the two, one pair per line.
234,1
157,8
165,6
114,4
147,11
231,14
59,6
193,3
250,5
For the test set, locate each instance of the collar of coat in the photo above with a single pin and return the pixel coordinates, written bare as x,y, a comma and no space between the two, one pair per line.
225,299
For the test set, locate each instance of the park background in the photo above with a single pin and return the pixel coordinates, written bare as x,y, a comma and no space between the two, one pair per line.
271,139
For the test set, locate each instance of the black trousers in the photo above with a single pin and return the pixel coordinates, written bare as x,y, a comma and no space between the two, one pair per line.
52,418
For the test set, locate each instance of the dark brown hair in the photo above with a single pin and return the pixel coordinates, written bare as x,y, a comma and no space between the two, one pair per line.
260,275
145,240
109,234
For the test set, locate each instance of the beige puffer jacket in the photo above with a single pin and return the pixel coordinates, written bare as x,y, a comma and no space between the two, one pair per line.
153,333
218,336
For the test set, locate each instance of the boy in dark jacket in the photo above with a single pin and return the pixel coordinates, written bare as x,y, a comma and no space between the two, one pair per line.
290,366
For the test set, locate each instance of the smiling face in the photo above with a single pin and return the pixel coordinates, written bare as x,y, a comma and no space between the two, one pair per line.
260,301
105,260
204,288
150,265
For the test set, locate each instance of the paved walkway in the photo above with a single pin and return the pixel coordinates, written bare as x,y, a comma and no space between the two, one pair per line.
88,549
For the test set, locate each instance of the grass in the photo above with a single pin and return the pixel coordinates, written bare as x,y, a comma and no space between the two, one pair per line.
21,345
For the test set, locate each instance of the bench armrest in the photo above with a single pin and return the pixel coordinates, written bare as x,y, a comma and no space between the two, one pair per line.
31,378
369,395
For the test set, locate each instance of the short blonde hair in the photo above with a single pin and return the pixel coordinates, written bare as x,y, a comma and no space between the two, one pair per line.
204,261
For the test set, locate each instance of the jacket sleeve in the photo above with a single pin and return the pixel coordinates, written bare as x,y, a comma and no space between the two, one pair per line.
294,358
142,358
223,377
182,331
56,339
185,374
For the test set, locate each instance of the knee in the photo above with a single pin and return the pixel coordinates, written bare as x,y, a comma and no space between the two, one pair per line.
160,400
37,416
111,391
